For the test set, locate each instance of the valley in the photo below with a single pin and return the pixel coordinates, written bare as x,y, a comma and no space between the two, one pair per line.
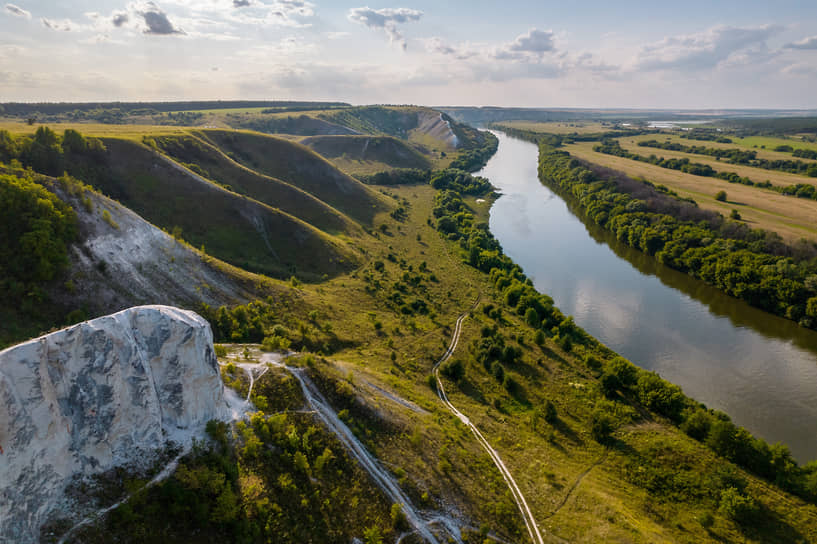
279,245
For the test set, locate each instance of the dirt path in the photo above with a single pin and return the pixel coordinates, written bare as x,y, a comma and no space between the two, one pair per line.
522,504
570,491
384,479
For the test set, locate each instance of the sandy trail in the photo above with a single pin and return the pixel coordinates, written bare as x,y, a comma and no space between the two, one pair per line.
530,522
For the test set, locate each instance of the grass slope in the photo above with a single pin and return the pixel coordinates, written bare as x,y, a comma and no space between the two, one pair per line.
213,164
300,166
234,228
367,154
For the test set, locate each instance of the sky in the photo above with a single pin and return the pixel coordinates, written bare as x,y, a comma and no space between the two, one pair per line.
589,54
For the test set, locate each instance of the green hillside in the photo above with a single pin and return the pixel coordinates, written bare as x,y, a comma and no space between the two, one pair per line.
210,162
299,166
366,154
232,227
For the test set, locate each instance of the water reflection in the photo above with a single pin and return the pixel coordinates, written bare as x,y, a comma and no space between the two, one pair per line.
759,368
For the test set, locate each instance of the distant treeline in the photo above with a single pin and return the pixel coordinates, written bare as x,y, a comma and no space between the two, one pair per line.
558,139
706,135
24,109
784,125
742,156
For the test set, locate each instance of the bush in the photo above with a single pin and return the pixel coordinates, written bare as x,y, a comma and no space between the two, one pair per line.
34,236
453,370
602,427
276,343
720,196
736,506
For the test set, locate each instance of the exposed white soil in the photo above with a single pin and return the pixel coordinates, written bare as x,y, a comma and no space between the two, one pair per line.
126,261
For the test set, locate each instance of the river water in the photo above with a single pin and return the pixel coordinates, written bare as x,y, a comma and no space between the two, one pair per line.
758,368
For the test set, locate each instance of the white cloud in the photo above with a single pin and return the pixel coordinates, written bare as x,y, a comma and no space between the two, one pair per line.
386,19
64,25
535,41
806,43
17,11
529,56
705,50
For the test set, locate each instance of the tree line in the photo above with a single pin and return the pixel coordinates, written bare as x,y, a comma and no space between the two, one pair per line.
738,156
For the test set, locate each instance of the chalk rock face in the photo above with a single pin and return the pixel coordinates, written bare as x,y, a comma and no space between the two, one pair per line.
104,393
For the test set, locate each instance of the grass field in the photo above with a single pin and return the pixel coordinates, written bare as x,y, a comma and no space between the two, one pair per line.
129,132
780,179
674,138
770,142
792,218
558,127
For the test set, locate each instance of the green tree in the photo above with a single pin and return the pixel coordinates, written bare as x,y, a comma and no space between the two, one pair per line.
720,196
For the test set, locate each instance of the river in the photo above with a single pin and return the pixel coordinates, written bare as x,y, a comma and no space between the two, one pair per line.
758,368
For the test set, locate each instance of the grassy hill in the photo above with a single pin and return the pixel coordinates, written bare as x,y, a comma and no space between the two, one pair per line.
209,161
301,167
367,154
232,227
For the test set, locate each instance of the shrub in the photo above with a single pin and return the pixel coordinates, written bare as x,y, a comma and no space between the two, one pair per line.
602,427
736,506
453,369
720,196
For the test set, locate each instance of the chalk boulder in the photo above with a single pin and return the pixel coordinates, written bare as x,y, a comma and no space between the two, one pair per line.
108,392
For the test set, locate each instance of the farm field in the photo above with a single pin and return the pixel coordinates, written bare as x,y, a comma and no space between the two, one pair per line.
776,177
675,138
792,218
771,142
99,130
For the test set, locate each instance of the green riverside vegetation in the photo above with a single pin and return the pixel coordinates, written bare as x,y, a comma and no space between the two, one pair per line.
730,256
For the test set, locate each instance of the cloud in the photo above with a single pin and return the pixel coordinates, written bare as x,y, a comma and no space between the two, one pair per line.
64,25
806,43
157,21
535,41
290,13
17,11
119,19
386,19
705,50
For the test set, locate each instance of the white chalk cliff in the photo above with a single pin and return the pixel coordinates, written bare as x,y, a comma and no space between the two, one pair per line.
107,392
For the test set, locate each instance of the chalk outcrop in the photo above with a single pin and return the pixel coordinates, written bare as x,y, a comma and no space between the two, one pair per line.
108,392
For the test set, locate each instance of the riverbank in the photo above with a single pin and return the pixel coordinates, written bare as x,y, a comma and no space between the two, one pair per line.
758,368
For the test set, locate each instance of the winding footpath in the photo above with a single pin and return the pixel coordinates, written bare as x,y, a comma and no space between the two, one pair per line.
521,503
